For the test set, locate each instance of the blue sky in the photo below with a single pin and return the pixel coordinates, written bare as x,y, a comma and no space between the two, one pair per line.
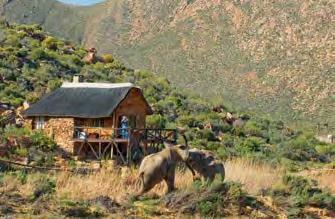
81,2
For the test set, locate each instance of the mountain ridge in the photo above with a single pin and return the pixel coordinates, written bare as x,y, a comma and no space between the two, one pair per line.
262,56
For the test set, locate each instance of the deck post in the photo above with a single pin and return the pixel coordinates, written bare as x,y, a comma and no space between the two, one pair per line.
112,151
100,150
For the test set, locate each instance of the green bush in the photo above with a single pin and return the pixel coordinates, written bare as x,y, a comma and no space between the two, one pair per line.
250,145
41,142
50,43
206,134
251,128
22,152
156,121
188,120
38,53
220,197
108,58
22,176
325,149
305,192
44,186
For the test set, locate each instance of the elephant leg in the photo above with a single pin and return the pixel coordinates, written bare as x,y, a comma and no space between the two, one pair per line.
221,171
170,179
170,184
144,185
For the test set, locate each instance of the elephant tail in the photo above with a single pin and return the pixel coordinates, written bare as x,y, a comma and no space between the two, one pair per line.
141,177
140,182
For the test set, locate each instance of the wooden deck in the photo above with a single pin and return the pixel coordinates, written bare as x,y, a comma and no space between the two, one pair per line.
103,146
122,147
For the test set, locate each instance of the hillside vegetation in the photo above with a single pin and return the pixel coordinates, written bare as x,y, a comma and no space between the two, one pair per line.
34,63
265,56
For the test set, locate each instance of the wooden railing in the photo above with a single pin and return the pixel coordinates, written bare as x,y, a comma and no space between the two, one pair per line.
145,138
98,132
153,135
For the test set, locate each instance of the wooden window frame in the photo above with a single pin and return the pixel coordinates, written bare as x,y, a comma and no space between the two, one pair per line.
39,122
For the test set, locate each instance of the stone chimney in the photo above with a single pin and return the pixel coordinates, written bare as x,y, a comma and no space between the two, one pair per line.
77,78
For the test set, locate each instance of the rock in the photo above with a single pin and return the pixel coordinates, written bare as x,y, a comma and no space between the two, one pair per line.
91,56
109,204
238,123
175,199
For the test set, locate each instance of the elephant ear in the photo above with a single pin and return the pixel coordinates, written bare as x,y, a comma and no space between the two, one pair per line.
167,145
183,147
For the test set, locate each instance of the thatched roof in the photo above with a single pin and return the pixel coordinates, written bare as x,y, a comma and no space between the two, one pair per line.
83,100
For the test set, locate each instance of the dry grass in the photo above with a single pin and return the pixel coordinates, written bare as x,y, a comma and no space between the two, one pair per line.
108,182
117,183
253,176
326,179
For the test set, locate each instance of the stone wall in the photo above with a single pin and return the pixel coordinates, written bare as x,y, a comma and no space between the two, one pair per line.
61,130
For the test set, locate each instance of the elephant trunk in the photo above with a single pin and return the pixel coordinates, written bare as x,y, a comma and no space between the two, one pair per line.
185,139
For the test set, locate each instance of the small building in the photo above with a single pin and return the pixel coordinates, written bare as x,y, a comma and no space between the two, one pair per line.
92,109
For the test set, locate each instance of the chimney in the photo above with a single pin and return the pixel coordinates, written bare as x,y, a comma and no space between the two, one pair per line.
77,78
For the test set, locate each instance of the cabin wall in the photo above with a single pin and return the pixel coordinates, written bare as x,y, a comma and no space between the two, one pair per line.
132,105
59,129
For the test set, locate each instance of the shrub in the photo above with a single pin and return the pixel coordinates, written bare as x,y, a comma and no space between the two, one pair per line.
41,142
50,43
213,146
220,197
13,40
23,176
325,149
38,53
207,208
206,134
44,186
251,128
188,120
156,121
12,131
108,58
304,192
54,84
250,144
22,152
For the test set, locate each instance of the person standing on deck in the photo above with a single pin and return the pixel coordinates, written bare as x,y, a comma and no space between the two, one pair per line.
124,127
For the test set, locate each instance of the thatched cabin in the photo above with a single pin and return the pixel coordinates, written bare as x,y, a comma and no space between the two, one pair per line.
95,109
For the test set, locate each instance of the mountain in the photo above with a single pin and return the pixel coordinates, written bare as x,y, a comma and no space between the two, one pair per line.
271,57
259,152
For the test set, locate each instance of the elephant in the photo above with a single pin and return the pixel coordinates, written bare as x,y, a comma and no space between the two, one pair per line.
205,164
161,166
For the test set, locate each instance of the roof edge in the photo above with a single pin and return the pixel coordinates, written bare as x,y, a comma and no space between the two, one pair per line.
96,85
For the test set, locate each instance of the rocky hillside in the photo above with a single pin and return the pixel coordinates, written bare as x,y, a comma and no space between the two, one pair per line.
276,58
33,63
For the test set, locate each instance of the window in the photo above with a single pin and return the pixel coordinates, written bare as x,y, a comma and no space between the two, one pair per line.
39,122
97,123
132,121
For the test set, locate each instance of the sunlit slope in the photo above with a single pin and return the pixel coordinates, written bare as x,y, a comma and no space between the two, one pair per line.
276,58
